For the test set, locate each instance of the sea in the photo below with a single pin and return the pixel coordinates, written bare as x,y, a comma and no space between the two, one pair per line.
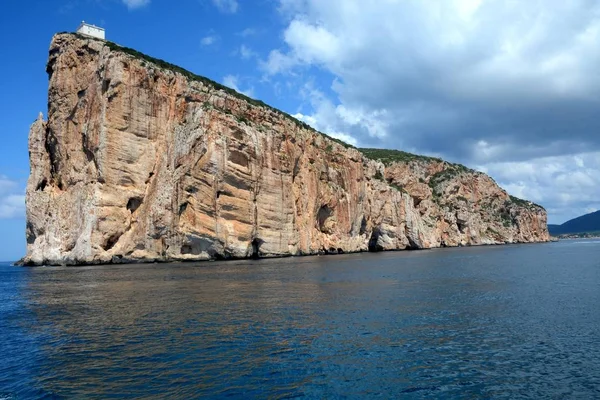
497,322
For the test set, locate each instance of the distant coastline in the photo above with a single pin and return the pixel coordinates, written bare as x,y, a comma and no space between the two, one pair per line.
587,225
581,235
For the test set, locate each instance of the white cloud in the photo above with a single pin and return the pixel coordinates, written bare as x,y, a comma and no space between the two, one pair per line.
456,71
209,40
6,185
247,53
226,6
506,85
248,32
278,62
133,4
291,7
12,205
337,121
315,123
568,186
233,82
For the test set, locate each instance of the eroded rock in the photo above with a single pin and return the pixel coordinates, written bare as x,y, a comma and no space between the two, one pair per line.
137,162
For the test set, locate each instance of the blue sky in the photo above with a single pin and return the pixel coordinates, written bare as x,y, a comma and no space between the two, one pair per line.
215,39
510,88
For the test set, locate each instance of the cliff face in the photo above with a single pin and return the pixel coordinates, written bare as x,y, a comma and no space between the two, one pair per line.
137,162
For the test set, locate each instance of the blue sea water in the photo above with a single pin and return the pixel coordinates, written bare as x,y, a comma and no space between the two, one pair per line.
517,321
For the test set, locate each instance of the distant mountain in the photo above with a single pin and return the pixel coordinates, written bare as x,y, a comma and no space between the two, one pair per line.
585,223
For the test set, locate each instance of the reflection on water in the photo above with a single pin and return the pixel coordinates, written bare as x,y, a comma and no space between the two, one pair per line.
486,322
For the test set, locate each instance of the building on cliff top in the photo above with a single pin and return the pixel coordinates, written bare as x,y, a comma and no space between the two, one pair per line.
91,30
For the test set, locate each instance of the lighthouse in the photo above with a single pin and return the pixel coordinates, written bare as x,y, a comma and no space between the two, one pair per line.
91,30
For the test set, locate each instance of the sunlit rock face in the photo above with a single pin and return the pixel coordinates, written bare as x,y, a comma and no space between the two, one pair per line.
140,161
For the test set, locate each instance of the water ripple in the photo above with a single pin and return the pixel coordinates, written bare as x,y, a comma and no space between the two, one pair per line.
495,322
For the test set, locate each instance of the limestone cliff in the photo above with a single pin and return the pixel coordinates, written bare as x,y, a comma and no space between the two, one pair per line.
140,160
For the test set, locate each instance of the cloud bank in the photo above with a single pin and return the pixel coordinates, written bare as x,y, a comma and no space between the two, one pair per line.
12,205
232,81
133,4
209,40
226,6
506,86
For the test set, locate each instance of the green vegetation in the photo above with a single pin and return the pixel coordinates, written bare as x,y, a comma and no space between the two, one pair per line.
507,220
379,176
209,82
461,168
579,235
243,120
493,231
486,205
522,203
444,175
338,141
388,157
397,187
450,171
519,202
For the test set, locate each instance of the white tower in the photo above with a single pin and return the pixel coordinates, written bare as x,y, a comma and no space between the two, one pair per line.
91,30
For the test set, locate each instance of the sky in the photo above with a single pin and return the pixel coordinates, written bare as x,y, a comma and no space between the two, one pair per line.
511,88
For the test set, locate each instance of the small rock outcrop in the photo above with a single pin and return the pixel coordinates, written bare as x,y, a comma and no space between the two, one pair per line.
140,160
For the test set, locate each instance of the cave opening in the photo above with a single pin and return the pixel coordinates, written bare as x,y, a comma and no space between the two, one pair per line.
133,204
363,226
42,185
111,241
182,208
256,243
374,245
322,216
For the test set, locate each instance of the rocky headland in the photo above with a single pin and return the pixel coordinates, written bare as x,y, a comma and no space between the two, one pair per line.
141,161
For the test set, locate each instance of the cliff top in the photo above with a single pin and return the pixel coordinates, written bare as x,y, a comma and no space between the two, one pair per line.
140,160
161,64
386,156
